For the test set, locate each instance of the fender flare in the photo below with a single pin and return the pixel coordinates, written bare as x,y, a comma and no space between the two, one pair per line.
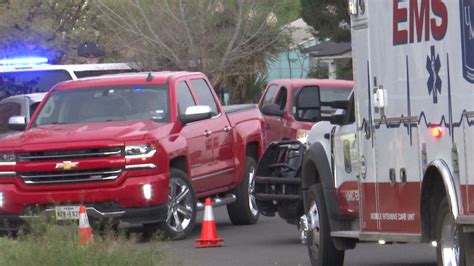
316,155
449,184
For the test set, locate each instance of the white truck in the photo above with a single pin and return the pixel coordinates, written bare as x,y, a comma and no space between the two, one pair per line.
25,75
403,172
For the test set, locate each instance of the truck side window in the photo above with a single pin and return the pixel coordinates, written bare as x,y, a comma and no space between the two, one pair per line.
184,96
205,95
8,110
267,100
281,98
23,82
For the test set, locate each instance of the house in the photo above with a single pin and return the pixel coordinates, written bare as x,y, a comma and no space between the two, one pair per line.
292,63
326,53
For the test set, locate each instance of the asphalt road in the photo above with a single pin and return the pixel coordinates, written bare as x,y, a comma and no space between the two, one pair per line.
273,242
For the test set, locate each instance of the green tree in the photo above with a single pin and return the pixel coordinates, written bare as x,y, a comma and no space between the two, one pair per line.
329,18
288,10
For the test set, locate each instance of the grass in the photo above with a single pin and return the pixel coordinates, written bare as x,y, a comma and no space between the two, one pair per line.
49,244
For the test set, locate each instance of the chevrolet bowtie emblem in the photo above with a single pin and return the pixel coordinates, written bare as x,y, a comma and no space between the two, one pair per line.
67,165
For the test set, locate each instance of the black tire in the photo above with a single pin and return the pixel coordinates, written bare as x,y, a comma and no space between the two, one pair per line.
240,212
325,253
187,205
445,221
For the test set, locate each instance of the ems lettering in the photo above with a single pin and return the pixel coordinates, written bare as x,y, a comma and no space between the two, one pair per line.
419,20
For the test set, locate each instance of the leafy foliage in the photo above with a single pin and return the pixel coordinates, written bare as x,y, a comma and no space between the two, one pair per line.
329,18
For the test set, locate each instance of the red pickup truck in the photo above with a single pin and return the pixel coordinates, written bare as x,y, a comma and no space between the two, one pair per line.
139,148
277,105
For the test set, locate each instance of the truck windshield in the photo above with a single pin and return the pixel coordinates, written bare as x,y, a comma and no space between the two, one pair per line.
328,94
103,104
24,82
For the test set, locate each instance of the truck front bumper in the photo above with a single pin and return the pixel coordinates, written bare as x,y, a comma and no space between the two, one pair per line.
125,201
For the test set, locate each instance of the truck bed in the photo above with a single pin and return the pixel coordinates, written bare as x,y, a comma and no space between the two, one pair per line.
241,113
238,108
245,118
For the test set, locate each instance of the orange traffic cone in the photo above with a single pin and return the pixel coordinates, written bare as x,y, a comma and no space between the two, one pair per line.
85,231
208,232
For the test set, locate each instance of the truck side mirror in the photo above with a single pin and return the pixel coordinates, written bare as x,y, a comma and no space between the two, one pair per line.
196,113
308,104
337,119
17,123
272,110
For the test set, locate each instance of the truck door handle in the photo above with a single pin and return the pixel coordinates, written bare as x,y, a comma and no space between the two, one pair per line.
227,129
267,126
207,133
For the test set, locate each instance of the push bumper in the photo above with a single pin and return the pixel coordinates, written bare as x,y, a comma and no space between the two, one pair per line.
278,181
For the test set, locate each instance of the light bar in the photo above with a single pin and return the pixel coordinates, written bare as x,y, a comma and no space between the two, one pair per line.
24,61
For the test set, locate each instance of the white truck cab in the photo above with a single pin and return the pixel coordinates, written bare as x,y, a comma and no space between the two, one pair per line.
33,74
24,81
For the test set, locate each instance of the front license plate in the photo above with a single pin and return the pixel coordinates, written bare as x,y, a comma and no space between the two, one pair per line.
67,212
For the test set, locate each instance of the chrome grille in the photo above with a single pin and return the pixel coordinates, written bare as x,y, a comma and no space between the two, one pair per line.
69,154
39,178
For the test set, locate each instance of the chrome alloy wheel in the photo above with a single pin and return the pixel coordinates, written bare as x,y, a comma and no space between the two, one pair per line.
180,206
450,247
310,228
251,191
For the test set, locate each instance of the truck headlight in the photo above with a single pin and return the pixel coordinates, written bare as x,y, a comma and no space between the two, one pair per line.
7,157
140,151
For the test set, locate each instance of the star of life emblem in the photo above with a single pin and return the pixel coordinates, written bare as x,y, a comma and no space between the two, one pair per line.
433,65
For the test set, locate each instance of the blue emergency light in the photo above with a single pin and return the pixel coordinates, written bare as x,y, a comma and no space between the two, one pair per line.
24,61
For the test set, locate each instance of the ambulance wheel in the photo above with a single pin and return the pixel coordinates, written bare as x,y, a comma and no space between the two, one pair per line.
244,210
181,216
449,249
321,249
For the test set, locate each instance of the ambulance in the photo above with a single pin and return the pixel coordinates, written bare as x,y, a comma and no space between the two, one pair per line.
404,171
